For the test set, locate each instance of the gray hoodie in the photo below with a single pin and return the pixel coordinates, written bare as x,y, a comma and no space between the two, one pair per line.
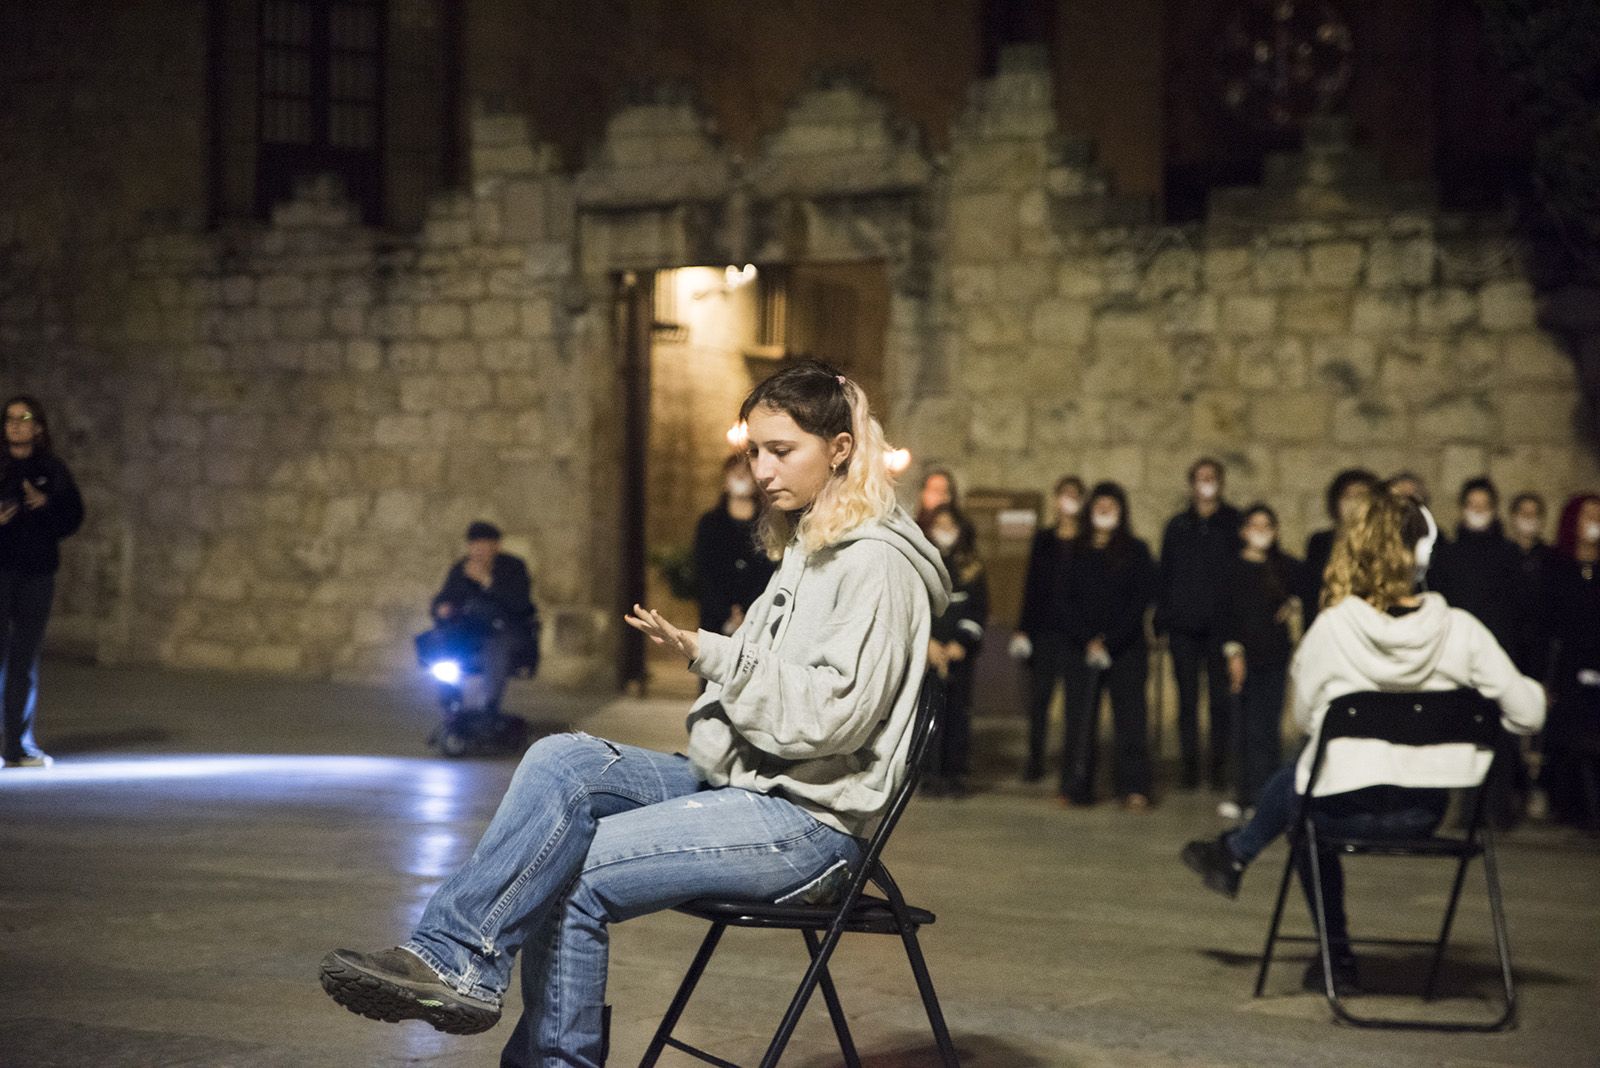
813,697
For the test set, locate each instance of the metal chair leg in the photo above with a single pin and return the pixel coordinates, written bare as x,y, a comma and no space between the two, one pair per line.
930,1000
797,1004
1444,929
680,1000
1502,938
841,1025
1277,916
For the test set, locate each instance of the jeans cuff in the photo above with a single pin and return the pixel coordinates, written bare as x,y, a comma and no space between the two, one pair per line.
450,978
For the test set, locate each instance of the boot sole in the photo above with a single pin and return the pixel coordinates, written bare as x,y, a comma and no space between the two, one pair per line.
378,998
1213,880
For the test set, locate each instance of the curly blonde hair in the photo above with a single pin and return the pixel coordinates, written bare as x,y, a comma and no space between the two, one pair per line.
823,402
1374,555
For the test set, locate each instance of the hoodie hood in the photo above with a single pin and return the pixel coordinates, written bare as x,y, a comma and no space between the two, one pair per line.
899,530
1396,652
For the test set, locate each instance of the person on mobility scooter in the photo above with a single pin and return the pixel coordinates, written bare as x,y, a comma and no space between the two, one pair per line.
485,627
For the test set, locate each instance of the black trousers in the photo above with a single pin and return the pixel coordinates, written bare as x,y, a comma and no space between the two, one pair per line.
952,752
1047,670
503,653
24,612
1124,680
1193,652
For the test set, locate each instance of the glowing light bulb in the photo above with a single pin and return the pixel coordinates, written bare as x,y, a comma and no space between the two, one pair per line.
898,461
738,435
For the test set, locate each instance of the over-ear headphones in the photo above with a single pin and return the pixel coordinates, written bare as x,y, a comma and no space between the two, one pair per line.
1425,544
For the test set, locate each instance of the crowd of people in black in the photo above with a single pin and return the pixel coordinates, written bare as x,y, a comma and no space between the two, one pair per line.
1229,605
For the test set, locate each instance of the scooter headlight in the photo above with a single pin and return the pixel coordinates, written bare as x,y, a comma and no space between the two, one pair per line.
446,671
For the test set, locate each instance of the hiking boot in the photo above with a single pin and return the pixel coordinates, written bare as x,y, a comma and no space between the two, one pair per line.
396,984
1211,859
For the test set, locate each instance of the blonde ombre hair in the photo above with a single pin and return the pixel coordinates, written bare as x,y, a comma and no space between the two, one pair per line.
825,403
1374,555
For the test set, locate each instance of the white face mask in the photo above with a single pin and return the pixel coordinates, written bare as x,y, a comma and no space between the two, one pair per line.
945,539
1528,528
1105,521
1069,505
741,487
1260,540
1476,520
1206,489
1591,532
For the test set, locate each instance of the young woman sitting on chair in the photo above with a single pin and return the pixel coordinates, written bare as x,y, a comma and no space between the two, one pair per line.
794,751
1375,632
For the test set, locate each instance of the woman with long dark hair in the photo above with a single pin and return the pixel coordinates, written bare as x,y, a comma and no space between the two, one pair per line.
1111,583
794,751
1571,738
953,647
39,506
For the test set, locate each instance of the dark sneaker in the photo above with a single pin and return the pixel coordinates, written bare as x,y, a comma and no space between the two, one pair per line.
395,984
32,760
1212,861
1346,981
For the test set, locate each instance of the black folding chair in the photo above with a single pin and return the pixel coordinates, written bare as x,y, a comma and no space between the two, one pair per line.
1410,719
856,912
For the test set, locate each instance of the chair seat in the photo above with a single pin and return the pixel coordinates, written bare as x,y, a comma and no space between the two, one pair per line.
871,915
1433,846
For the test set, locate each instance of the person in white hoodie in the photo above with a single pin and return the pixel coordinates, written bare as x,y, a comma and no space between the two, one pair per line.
794,752
1374,633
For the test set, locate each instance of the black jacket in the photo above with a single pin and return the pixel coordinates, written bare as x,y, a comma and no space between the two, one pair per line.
1575,619
1479,572
1044,590
964,621
31,543
1252,596
1319,550
1194,554
1108,591
506,602
1530,644
729,566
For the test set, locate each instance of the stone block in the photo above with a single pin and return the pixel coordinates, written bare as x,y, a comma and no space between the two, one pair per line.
1531,416
441,320
1173,270
1506,305
1290,416
1189,313
983,227
1063,420
1346,364
1387,312
1370,421
537,317
1080,278
393,431
974,284
1119,326
1124,367
271,659
363,356
1466,416
1249,316
1335,264
1535,356
1280,267
392,321
492,318
1270,363
1227,269
1393,262
1446,308
301,324
1219,418
990,325
204,655
277,290
998,425
1060,322
1318,312
1024,281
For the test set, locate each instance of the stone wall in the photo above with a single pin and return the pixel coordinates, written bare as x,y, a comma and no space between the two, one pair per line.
283,429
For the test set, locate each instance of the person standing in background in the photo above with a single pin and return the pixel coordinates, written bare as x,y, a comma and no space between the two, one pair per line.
1259,610
953,647
1110,584
731,567
39,506
1478,570
1346,494
1196,549
1530,644
1041,636
938,489
1575,673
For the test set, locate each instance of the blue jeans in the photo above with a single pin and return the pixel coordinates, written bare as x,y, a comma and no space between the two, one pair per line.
1373,812
591,833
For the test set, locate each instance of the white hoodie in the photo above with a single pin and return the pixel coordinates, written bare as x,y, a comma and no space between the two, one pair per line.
1353,647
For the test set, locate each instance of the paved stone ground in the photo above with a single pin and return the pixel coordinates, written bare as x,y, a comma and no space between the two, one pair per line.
167,890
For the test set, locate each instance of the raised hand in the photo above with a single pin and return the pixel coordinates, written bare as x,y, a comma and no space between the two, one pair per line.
32,499
654,625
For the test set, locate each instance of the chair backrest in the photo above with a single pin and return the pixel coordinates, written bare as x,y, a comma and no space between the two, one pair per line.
1434,718
924,725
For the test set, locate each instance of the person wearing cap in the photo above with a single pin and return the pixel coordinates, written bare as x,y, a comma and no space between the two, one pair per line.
491,590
